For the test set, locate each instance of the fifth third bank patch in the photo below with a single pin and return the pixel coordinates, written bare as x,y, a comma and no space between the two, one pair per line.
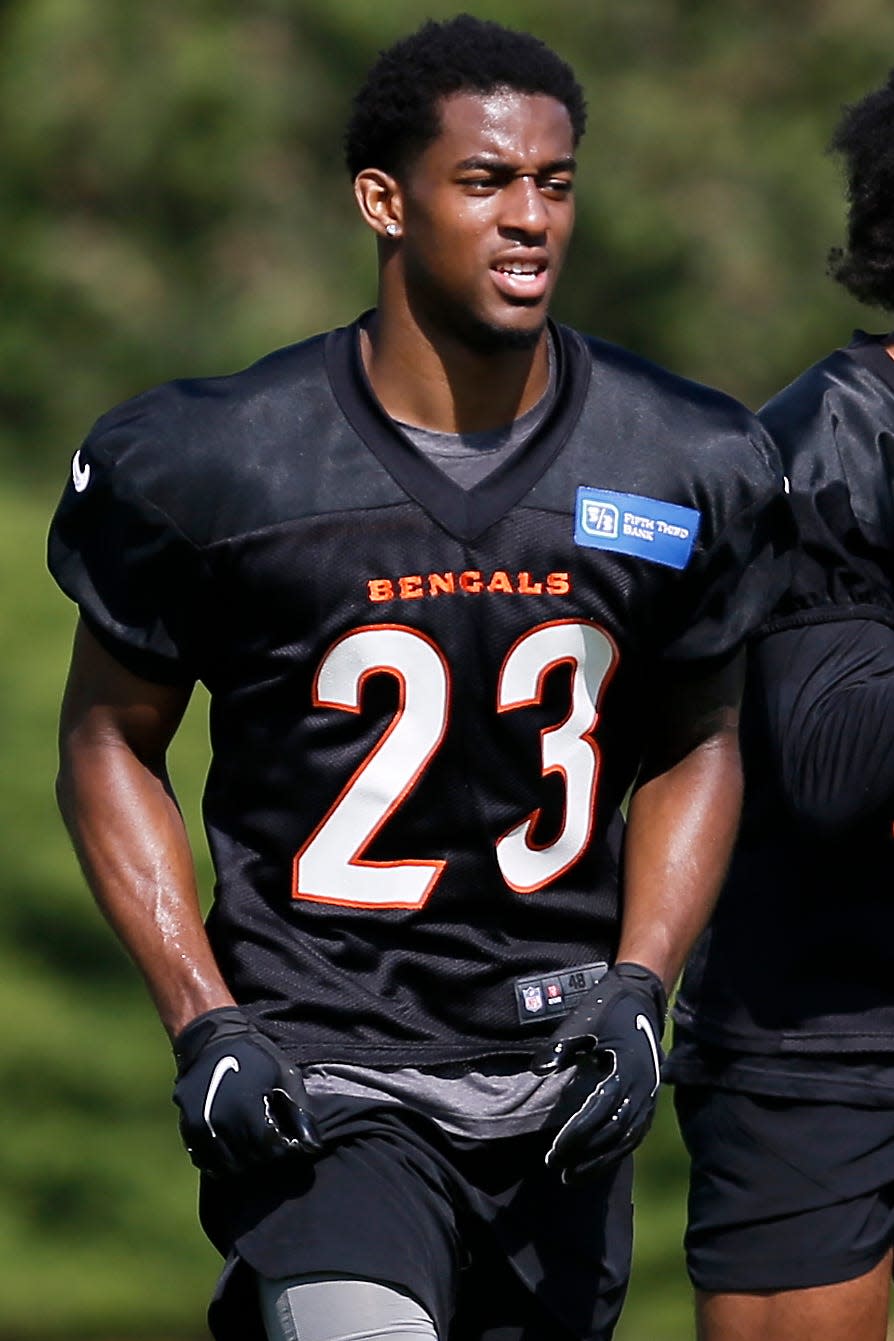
646,528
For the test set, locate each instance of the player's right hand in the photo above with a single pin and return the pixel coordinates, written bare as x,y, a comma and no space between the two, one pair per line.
242,1102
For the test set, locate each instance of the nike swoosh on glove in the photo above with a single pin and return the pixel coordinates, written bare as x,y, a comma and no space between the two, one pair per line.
241,1101
613,1042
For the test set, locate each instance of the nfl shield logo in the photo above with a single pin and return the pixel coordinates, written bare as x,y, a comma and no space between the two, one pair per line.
532,997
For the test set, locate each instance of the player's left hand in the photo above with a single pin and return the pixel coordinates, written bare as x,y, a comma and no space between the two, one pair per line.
613,1042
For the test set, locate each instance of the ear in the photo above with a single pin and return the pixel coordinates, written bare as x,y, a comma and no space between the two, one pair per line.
379,200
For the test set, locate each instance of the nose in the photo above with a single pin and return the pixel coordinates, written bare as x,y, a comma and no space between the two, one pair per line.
524,209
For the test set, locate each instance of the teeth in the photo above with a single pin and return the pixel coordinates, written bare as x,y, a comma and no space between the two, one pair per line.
528,270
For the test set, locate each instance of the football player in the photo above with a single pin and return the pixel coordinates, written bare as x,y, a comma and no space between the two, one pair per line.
784,1047
455,578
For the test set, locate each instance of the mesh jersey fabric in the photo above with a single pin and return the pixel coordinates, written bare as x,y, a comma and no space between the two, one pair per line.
407,645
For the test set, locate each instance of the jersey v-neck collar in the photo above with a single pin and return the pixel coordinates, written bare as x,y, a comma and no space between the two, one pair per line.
465,513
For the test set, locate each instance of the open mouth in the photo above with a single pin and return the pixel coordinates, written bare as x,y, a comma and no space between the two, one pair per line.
522,269
521,279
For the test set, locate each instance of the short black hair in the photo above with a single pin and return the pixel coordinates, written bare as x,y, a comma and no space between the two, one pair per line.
864,138
395,114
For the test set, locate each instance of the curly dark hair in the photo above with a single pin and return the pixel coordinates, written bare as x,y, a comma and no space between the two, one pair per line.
395,114
864,138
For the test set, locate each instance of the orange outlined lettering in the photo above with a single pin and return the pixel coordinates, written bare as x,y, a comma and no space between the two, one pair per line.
500,582
380,589
410,588
528,588
470,582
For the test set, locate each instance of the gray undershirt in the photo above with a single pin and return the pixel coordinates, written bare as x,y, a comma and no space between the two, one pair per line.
469,458
495,1098
492,1100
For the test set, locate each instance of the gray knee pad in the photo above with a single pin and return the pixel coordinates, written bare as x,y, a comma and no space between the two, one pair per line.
308,1309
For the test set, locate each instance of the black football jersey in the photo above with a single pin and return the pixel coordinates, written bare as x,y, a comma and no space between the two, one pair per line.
799,958
835,430
427,703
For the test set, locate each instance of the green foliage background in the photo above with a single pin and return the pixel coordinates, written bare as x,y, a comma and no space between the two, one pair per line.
174,203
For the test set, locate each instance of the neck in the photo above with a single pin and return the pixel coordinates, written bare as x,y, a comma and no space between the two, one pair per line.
437,381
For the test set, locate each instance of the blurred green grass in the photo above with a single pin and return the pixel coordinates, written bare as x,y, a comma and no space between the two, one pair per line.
659,1304
97,1202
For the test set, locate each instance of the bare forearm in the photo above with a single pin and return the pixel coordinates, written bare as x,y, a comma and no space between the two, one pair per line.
131,841
681,828
115,798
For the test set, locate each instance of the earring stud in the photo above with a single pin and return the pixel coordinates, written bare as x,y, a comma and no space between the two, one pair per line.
392,229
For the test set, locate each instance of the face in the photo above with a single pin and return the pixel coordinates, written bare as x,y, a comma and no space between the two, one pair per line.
487,212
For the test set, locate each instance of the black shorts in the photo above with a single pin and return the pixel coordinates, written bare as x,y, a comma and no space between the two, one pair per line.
784,1193
480,1233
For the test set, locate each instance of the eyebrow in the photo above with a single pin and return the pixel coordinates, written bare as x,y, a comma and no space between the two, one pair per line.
489,162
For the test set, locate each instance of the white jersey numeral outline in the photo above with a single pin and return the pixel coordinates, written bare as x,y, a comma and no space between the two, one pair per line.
330,866
568,748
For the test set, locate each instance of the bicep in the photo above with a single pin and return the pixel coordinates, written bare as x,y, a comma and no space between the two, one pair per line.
105,705
691,708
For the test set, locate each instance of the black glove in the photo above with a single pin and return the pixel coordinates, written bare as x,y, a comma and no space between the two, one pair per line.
241,1100
613,1041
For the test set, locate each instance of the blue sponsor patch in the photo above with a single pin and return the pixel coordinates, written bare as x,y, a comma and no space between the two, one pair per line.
631,524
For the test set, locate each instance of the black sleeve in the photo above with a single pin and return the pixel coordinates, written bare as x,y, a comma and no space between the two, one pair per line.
828,697
741,565
832,428
137,580
837,570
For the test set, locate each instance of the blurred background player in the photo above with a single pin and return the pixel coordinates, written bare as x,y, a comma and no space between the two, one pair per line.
784,1052
455,578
